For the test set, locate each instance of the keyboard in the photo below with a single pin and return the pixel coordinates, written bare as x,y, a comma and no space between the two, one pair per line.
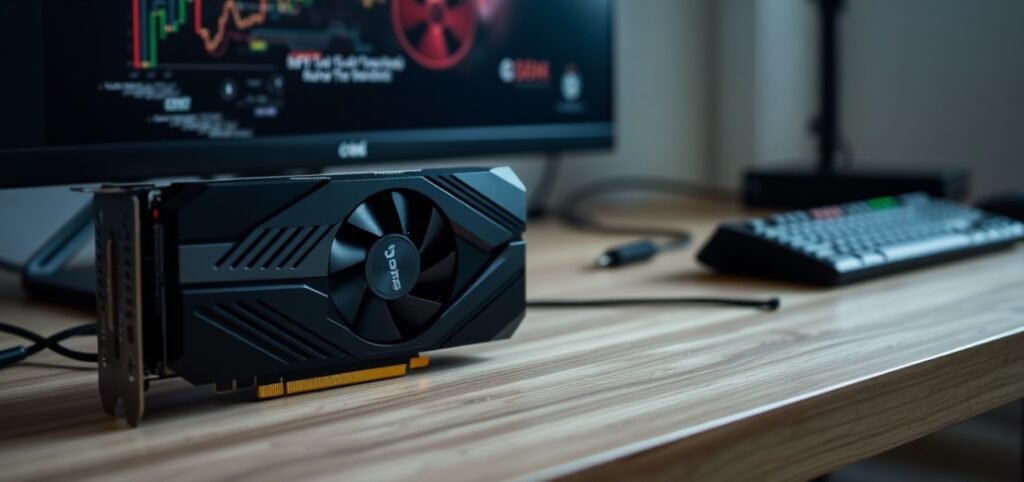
841,244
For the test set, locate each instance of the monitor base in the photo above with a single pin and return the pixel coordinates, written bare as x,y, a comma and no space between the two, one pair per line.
807,188
48,275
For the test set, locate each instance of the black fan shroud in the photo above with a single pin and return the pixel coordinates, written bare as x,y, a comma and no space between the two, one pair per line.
393,265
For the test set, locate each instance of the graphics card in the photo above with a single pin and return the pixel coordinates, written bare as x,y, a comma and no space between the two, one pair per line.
287,285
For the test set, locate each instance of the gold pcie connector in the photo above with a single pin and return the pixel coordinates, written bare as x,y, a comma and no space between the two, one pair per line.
293,387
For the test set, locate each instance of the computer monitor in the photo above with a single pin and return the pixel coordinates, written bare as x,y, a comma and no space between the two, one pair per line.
123,90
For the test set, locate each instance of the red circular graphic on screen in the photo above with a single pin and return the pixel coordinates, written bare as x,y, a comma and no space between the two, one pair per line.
437,34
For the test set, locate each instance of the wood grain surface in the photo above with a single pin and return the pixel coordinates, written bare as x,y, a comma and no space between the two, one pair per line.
674,393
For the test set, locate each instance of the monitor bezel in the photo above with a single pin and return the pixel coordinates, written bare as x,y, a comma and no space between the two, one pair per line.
130,162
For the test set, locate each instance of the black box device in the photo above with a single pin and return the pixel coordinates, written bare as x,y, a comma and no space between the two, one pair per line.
288,285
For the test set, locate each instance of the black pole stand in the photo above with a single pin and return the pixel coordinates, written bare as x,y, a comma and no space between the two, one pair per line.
828,123
833,181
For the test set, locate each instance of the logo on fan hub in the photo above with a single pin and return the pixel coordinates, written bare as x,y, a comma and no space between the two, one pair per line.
396,277
393,266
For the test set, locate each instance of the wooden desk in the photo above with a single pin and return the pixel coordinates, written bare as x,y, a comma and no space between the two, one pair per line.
680,393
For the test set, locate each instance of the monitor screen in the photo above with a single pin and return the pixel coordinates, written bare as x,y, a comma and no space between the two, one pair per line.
129,89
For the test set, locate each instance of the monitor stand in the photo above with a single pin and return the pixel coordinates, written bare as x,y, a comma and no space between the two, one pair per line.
537,204
48,274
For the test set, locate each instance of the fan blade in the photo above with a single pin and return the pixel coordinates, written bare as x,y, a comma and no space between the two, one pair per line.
345,255
375,322
433,233
418,220
364,219
433,44
460,20
413,14
402,211
347,291
440,271
413,312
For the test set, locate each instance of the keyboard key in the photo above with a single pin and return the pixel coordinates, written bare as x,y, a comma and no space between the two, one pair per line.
846,263
872,259
917,249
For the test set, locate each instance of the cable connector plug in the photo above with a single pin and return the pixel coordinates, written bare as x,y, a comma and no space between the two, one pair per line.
627,254
10,356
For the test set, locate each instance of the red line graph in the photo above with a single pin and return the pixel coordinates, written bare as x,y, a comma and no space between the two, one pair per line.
152,24
213,42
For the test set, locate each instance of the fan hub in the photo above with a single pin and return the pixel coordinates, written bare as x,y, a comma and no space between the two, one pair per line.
436,13
392,267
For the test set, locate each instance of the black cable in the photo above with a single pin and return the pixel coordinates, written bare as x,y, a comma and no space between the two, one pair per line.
770,304
573,215
16,354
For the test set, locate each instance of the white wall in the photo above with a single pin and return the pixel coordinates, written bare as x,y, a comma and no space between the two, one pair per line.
925,85
767,77
786,50
732,69
662,94
937,83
